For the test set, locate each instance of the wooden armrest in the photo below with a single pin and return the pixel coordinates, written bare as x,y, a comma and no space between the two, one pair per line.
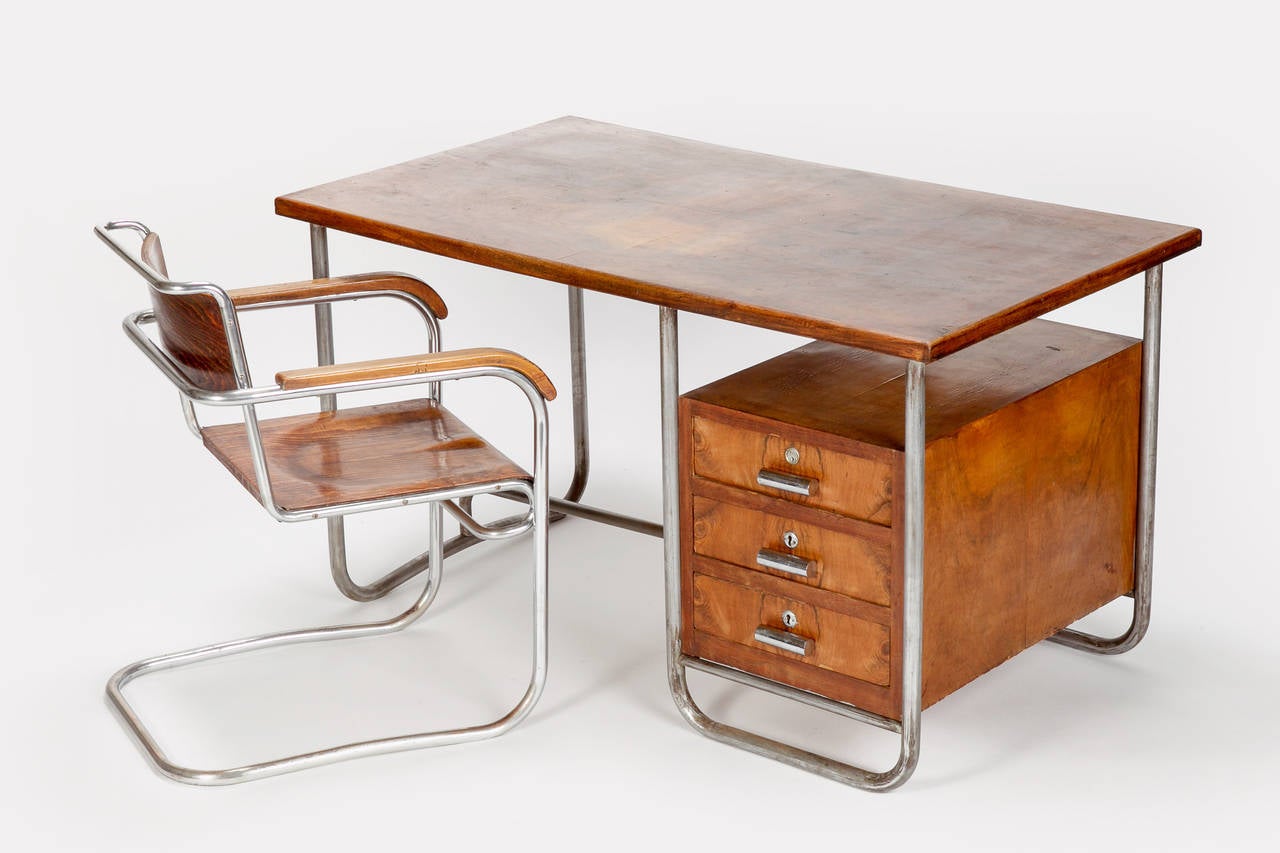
408,365
247,296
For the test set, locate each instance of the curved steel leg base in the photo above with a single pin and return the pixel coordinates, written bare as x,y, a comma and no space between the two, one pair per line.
390,581
802,759
912,598
358,749
1109,645
405,572
1145,528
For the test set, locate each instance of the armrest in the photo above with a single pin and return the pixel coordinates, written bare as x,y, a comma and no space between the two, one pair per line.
246,297
408,365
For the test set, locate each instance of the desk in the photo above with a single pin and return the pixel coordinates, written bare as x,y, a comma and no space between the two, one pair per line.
899,267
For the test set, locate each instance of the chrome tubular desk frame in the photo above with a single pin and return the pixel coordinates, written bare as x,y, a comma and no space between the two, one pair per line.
913,581
693,227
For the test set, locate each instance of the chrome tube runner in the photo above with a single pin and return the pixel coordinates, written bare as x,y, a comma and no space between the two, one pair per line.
1143,546
537,495
913,542
247,398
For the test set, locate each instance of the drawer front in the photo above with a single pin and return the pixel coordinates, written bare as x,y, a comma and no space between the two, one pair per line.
845,563
773,464
791,628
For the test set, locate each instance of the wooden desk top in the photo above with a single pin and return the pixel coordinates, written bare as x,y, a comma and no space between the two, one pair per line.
896,266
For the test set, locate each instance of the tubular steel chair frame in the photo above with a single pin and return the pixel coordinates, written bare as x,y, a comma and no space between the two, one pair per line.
247,397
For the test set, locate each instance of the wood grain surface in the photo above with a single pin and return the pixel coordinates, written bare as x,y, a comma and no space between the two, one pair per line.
387,450
896,266
839,391
409,365
734,450
841,643
858,566
1029,521
245,297
190,327
1030,490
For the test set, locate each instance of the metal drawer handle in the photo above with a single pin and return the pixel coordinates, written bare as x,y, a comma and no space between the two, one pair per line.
789,563
785,482
784,640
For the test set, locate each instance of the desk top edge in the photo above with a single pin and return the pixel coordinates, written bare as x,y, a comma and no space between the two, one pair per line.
918,347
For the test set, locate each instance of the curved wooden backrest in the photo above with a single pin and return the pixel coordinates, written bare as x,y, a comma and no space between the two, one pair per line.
191,328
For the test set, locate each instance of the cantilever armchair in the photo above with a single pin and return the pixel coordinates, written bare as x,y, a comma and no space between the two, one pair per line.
337,462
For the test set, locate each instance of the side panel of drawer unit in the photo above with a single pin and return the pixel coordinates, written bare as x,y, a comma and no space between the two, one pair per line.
807,546
789,462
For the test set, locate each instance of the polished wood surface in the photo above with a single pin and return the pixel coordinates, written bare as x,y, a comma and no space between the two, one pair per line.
734,449
153,254
858,566
1030,488
751,657
409,365
896,266
193,334
841,643
245,297
190,328
857,395
1029,520
387,450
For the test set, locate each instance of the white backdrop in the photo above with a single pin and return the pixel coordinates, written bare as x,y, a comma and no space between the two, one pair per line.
132,542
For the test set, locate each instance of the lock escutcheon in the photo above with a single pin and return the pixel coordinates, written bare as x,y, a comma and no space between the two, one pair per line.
790,539
790,619
791,455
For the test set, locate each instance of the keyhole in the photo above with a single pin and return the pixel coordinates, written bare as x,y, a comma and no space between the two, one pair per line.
789,619
790,539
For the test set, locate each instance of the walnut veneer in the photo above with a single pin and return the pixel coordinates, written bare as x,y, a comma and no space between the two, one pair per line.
892,265
354,454
1030,500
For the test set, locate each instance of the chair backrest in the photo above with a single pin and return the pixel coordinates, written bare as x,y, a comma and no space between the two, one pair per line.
190,324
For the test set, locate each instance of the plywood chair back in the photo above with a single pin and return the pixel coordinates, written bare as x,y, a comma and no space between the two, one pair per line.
190,326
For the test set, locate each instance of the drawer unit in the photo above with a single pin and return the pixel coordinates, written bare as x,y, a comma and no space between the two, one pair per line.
827,552
791,538
780,463
778,625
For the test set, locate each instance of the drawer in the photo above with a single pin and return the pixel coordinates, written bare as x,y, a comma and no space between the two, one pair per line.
816,636
842,562
772,463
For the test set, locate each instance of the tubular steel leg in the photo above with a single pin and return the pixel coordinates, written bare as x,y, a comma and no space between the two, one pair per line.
337,526
324,311
581,470
1143,546
913,541
578,365
115,686
379,588
329,403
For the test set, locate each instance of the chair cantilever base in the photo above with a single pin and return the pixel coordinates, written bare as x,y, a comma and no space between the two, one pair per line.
359,749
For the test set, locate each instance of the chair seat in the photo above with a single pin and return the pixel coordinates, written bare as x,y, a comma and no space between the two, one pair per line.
388,450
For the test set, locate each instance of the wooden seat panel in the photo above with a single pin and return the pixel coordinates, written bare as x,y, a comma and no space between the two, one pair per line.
387,450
